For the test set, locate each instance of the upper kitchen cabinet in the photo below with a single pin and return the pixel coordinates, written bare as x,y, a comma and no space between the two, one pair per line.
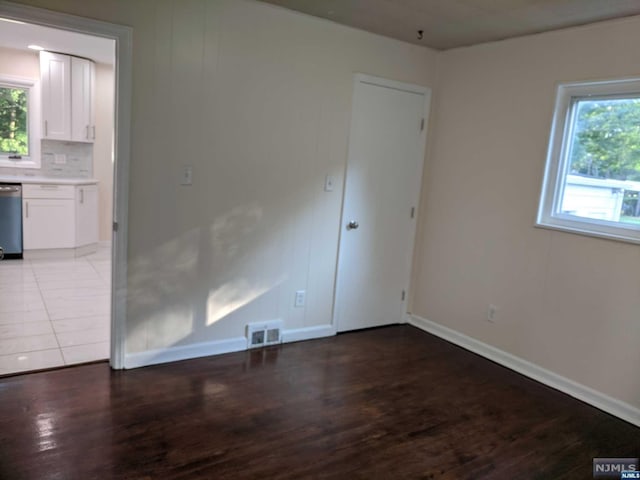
55,76
68,97
83,111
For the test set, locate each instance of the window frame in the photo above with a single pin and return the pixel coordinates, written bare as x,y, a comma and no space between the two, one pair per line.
33,160
557,163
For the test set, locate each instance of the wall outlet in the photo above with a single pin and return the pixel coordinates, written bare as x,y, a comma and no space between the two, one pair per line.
187,175
300,298
492,311
59,159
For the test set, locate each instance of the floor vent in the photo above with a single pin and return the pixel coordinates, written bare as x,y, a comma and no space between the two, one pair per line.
264,333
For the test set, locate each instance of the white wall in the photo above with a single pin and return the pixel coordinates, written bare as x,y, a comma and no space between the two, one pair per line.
257,99
19,63
568,303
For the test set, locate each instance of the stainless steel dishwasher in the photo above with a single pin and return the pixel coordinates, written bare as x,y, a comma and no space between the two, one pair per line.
10,220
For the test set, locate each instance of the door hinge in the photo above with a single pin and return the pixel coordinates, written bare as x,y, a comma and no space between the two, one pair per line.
422,125
413,212
115,226
403,295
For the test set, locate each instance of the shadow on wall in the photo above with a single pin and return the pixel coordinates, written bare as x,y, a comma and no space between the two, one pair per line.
202,279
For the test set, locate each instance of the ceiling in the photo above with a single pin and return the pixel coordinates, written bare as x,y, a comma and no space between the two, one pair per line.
456,23
20,35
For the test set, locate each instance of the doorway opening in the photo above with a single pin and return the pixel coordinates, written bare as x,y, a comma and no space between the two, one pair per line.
63,302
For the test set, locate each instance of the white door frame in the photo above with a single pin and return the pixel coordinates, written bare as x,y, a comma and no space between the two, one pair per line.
123,40
361,78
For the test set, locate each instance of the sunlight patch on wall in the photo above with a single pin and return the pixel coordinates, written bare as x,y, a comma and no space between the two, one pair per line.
233,296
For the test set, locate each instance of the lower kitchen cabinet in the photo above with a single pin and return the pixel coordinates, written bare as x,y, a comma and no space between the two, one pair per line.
59,216
86,213
48,223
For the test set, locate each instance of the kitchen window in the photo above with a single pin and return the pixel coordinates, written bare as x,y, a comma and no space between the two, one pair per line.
592,179
19,122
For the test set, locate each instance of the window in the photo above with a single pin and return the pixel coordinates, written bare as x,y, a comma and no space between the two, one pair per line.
19,136
592,179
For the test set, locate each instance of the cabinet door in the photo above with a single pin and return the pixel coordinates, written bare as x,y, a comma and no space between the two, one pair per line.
86,215
48,223
55,73
82,95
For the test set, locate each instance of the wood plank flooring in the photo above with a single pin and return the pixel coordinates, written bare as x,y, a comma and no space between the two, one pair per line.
388,403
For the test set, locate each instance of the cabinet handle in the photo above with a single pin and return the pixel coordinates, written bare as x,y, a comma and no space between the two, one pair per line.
46,128
87,132
82,195
27,212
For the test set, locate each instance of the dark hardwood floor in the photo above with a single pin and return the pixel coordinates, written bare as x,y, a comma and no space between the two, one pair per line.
379,404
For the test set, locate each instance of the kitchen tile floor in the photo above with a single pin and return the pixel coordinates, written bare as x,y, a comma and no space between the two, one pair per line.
54,312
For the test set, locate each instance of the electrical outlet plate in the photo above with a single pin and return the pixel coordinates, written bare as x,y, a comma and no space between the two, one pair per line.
187,175
300,298
491,313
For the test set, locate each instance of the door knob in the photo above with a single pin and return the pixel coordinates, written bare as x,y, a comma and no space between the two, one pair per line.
352,225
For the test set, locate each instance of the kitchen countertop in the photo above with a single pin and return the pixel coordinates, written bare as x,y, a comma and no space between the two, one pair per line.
46,180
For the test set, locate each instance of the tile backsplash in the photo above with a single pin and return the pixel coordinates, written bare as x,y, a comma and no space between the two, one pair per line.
75,160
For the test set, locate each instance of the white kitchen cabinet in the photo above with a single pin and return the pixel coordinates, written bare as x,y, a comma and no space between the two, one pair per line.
48,217
86,211
83,124
68,97
55,74
48,224
59,216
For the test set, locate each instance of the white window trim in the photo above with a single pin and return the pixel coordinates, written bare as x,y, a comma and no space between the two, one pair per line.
34,158
556,166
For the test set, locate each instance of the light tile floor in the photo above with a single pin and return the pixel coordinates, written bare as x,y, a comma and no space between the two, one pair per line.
54,312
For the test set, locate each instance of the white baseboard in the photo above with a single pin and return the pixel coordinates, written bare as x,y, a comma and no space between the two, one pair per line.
184,352
205,349
57,253
586,394
307,333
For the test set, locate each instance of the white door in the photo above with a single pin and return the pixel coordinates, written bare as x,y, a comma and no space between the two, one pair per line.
384,172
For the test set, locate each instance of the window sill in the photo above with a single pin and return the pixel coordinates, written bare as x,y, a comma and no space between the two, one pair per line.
24,163
585,229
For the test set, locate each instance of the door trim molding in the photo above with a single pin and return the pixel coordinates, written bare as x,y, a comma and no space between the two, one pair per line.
123,95
385,82
581,392
367,79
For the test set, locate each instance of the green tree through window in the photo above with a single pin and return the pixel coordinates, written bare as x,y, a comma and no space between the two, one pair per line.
607,145
13,121
608,139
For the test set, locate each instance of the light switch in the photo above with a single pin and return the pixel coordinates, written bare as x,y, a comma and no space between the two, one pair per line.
328,183
187,175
